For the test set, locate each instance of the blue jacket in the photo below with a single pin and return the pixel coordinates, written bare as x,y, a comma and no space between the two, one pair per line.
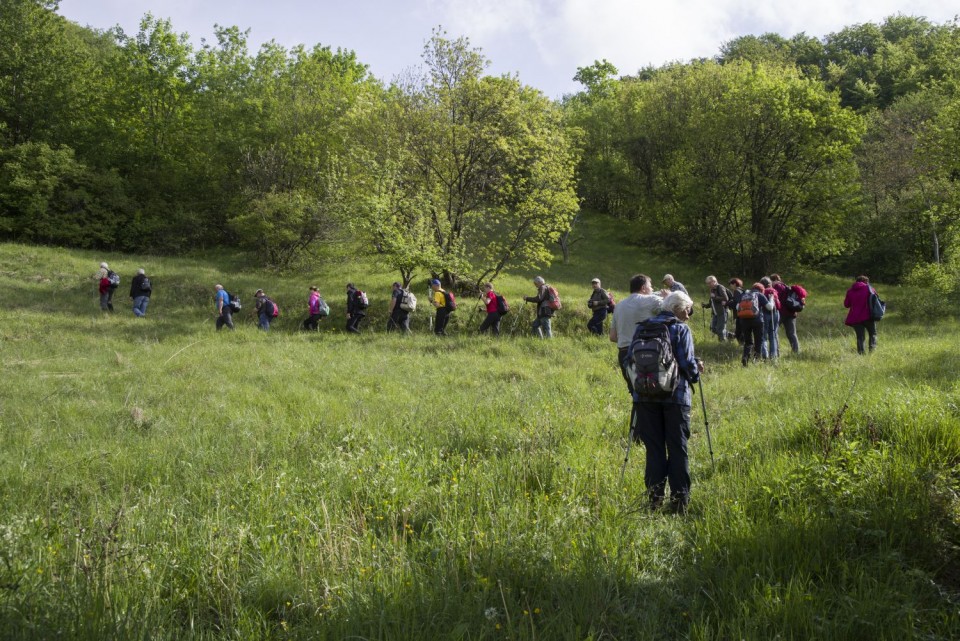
681,340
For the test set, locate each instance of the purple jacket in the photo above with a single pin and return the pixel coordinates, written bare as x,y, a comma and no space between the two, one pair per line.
858,302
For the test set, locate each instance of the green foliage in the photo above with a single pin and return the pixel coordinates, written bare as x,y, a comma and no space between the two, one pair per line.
478,170
47,196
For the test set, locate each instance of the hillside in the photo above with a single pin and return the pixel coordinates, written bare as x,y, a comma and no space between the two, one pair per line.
160,480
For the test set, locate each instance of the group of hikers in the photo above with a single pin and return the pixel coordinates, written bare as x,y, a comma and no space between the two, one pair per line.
655,349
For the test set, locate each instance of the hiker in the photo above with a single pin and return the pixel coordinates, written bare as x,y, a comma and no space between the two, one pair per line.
356,308
547,302
639,306
663,420
224,309
140,290
719,298
750,305
859,317
792,299
736,291
108,282
599,304
445,303
316,308
494,313
672,285
265,310
399,317
771,321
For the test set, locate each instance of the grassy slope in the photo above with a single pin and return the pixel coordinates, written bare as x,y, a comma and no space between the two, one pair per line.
160,480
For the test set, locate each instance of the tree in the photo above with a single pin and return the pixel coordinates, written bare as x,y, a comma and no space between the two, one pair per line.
481,164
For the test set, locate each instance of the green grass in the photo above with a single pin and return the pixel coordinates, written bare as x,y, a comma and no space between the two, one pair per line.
159,480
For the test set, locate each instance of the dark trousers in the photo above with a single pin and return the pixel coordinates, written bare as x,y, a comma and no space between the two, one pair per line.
491,322
622,361
595,324
789,324
399,320
664,429
353,323
862,329
225,318
440,324
312,322
752,338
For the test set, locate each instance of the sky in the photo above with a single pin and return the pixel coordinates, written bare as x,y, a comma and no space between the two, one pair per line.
543,42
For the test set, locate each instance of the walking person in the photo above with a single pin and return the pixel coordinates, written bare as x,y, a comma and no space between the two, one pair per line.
736,291
264,308
140,290
672,285
399,317
719,299
663,420
224,309
599,304
109,280
316,308
792,300
547,302
750,305
771,321
445,304
492,304
640,305
356,308
860,317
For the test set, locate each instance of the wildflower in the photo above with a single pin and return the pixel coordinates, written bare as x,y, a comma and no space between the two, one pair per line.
491,613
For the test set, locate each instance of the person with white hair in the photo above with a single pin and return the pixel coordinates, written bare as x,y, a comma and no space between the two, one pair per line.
140,290
108,282
224,310
672,285
545,301
663,421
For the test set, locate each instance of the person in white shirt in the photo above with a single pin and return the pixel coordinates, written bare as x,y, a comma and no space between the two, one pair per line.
639,306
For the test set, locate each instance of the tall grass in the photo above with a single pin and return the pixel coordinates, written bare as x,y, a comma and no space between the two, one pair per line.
160,480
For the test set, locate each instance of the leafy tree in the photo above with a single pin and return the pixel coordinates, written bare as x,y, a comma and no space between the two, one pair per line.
481,163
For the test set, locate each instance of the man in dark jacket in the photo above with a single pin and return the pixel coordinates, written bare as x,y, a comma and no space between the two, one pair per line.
599,304
140,290
356,310
719,299
541,326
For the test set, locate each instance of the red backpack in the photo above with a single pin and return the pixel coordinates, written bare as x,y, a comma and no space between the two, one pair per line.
451,300
553,298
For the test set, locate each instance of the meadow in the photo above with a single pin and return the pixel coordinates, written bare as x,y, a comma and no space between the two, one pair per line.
159,480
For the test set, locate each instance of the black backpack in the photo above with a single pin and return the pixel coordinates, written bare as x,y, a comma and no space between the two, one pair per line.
792,301
233,302
114,278
502,306
651,362
145,285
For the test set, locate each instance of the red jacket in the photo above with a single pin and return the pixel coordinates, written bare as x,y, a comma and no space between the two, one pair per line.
104,285
857,301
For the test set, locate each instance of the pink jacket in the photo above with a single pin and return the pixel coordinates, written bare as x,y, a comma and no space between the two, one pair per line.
314,303
857,301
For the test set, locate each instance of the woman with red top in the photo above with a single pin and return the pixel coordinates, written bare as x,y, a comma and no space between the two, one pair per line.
492,321
788,316
859,317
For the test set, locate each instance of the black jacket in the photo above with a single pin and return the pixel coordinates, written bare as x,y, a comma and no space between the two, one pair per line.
137,288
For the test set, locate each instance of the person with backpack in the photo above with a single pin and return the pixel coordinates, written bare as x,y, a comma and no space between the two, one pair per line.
771,321
547,301
266,310
750,305
792,301
495,305
736,291
224,308
399,317
317,309
140,290
640,305
109,280
599,303
672,285
719,299
662,400
860,317
356,308
445,303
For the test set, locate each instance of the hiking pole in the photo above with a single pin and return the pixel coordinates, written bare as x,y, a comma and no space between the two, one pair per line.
703,403
626,456
517,318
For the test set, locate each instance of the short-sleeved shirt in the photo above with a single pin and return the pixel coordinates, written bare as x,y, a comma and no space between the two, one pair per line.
222,295
632,310
440,298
